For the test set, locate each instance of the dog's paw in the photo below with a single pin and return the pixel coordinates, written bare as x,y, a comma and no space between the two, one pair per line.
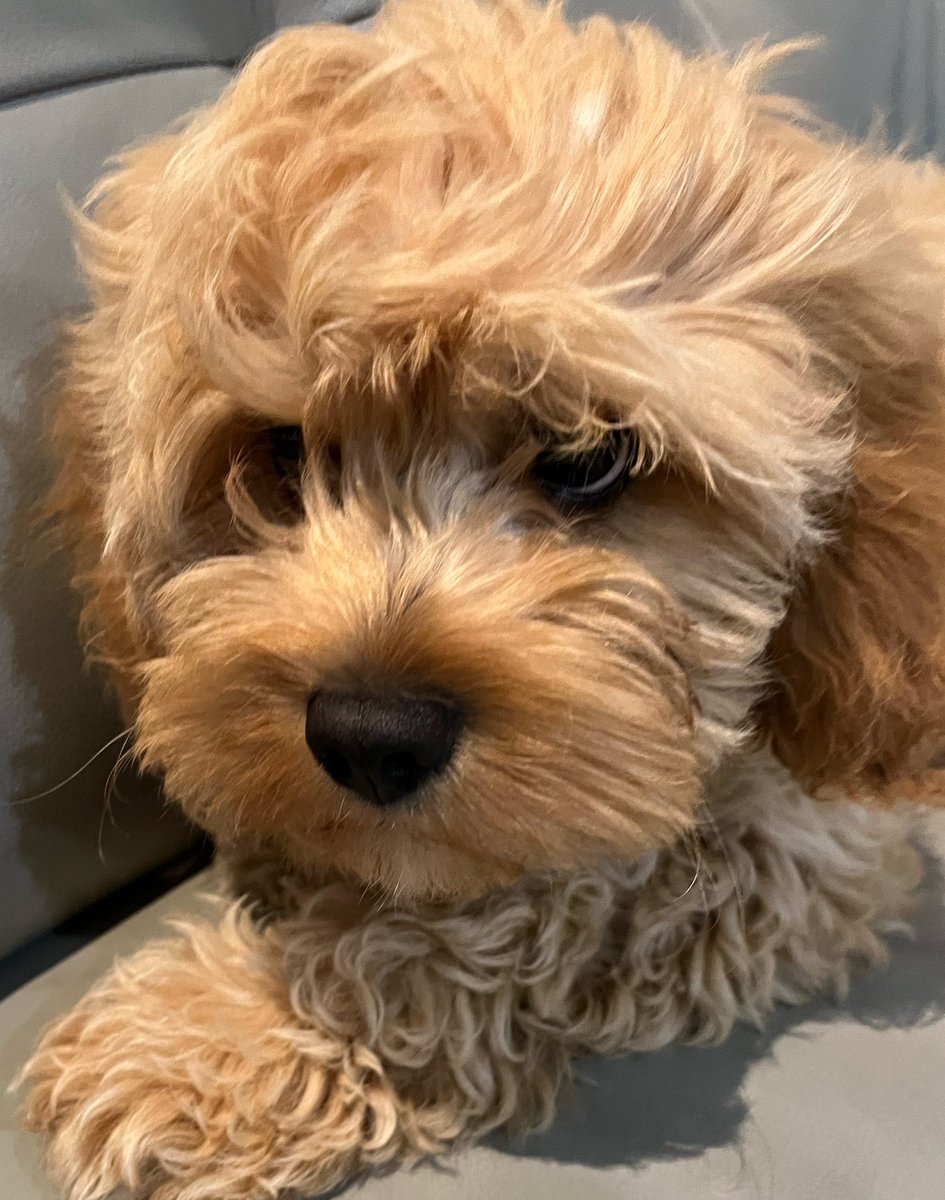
114,1119
186,1076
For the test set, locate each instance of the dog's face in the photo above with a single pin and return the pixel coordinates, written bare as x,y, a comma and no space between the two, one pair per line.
452,443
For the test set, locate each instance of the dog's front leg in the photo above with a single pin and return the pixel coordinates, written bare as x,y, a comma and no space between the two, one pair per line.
192,1072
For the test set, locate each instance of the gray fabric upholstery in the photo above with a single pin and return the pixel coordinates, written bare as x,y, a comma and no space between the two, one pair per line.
301,12
59,43
48,44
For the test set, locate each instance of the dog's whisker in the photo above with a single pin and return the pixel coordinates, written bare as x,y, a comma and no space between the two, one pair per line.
125,758
691,847
106,814
125,734
692,884
720,841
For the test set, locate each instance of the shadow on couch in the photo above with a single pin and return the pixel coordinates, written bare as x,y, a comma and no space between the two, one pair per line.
680,1101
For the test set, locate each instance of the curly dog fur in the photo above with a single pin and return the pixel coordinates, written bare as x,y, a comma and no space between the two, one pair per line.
437,249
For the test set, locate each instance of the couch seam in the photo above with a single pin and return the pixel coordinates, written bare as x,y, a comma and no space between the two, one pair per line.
7,99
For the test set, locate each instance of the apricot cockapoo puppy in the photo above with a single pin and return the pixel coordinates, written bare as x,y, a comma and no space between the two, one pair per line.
504,465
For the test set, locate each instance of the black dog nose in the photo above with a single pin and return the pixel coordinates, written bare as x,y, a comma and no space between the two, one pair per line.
382,747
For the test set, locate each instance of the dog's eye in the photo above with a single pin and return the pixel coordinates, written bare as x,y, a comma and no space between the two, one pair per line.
592,478
287,447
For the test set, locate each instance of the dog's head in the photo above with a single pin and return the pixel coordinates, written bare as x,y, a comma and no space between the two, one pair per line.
484,427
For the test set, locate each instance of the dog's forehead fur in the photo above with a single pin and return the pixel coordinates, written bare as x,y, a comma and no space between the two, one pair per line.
354,210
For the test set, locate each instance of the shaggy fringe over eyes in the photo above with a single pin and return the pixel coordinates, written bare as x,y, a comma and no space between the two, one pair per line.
355,205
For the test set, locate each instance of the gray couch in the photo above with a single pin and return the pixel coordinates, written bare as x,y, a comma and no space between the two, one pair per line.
831,1101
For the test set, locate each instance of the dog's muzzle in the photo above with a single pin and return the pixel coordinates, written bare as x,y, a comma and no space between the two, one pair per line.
383,747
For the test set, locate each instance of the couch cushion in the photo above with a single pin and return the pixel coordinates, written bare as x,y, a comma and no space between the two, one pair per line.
57,43
47,43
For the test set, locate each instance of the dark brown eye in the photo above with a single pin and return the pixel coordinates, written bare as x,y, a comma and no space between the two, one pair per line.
592,478
287,447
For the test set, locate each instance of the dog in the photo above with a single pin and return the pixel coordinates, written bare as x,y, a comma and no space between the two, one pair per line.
504,466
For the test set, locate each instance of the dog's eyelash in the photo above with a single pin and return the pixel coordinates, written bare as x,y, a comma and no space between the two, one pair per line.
287,448
592,478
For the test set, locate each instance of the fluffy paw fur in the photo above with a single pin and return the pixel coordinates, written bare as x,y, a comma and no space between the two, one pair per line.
187,1076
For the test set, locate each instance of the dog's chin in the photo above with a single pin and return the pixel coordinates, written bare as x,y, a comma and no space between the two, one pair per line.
395,866
394,858
452,843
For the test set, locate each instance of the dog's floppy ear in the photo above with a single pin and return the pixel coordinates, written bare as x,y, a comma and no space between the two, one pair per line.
111,233
859,661
860,657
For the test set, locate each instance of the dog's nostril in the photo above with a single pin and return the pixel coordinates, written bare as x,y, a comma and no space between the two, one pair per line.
401,771
384,747
337,766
